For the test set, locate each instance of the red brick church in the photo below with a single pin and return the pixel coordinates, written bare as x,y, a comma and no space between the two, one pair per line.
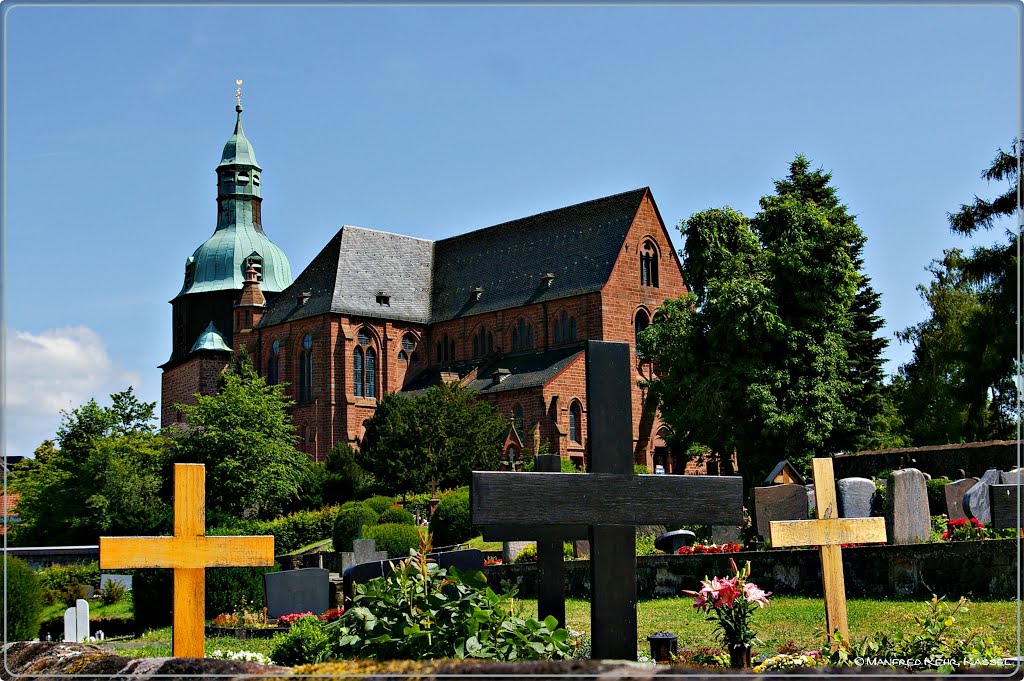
503,310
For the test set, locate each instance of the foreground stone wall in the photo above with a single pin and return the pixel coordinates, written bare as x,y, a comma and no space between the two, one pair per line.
982,569
45,661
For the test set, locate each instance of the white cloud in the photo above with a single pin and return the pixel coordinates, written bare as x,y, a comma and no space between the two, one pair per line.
53,370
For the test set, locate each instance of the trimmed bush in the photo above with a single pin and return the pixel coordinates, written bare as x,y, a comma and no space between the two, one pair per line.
23,602
348,521
397,516
380,504
395,538
450,524
63,582
290,532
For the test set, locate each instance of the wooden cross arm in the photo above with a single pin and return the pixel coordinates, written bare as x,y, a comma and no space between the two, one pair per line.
829,532
607,499
185,552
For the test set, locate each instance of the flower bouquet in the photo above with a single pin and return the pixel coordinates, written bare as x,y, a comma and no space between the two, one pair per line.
730,603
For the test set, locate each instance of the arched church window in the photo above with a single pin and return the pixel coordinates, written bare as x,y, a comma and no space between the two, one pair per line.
640,322
357,372
518,418
575,423
274,364
306,369
445,349
522,336
371,373
649,264
483,343
408,345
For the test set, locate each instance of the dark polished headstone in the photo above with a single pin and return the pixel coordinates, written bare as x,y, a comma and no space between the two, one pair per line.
1006,512
954,492
779,502
670,542
292,591
977,499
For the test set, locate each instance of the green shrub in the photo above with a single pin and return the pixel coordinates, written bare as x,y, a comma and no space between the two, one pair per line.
290,532
350,523
23,601
307,642
405,615
395,538
450,524
878,505
63,582
937,495
527,555
380,503
640,469
111,592
396,515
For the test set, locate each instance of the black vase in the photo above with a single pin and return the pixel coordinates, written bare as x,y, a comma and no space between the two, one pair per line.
739,657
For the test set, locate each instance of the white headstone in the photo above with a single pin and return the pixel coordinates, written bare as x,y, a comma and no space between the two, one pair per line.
70,626
82,620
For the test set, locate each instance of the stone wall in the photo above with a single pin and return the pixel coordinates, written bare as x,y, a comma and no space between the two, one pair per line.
938,461
985,569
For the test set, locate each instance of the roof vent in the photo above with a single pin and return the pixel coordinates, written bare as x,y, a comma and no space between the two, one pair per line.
500,375
548,279
304,297
477,292
383,299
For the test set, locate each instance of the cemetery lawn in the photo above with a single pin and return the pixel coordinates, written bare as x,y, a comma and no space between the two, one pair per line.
800,619
120,610
157,643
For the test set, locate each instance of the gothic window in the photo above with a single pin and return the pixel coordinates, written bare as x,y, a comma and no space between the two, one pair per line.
522,336
517,418
357,372
274,364
572,329
640,322
558,331
575,423
649,264
306,369
565,328
445,349
371,373
408,345
483,343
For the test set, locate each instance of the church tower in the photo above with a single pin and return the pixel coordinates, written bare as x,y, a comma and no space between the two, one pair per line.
237,256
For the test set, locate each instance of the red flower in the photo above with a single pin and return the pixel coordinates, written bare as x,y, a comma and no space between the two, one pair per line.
332,614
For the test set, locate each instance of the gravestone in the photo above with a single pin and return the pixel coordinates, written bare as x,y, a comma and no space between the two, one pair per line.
1005,506
812,500
906,509
670,542
977,499
955,492
1012,477
511,549
292,591
363,551
610,500
779,502
76,622
856,497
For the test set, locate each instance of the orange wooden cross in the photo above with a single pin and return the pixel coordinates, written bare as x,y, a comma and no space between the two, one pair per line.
829,532
189,552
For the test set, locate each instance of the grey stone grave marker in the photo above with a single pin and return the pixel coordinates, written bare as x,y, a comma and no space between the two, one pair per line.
977,498
1005,506
1012,477
511,549
906,509
812,500
779,502
363,551
291,591
723,534
611,500
856,497
76,622
955,492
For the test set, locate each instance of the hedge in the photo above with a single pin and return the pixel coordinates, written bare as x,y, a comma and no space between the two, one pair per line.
450,524
394,538
23,600
351,517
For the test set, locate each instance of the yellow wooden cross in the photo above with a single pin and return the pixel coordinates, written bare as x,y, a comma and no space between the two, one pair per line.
189,552
829,532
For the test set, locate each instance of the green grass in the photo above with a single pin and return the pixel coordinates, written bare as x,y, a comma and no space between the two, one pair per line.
123,608
799,619
479,543
157,643
321,545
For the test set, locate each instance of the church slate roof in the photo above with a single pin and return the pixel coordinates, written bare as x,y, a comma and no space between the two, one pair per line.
525,370
353,267
578,244
430,282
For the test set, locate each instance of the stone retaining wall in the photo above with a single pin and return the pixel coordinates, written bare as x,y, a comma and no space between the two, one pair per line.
981,569
938,460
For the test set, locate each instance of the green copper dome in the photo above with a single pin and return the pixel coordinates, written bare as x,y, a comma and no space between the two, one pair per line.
238,150
219,264
210,339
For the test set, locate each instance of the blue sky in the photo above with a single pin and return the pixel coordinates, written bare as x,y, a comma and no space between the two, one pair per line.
435,120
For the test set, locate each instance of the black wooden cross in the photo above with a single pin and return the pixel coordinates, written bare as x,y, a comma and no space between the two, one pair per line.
610,501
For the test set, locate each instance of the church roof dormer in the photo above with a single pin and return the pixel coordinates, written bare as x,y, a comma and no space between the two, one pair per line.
210,339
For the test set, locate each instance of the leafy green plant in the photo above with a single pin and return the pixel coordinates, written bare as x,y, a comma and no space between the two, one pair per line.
380,503
421,611
396,515
937,495
61,582
23,600
450,524
307,642
395,538
111,592
352,520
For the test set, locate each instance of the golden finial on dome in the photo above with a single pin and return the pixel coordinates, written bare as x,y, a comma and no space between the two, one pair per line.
238,93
